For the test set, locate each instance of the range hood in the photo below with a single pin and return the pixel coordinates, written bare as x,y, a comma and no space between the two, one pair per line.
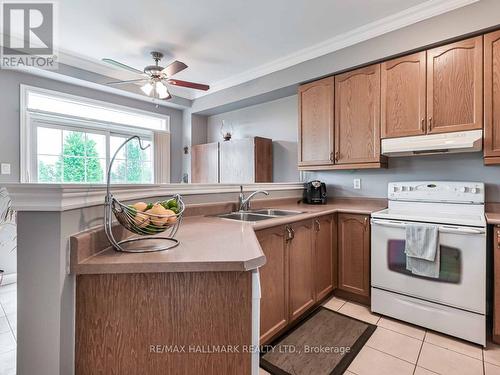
467,141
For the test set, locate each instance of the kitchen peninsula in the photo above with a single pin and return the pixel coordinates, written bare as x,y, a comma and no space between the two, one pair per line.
202,294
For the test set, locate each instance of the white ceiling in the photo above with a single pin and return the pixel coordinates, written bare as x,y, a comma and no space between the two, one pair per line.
218,39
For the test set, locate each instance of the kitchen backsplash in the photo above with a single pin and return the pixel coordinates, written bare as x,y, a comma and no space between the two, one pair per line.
450,167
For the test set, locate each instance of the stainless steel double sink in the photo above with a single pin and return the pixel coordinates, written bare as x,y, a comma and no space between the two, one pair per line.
258,215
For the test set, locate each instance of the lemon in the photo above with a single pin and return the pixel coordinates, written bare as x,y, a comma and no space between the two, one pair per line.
141,220
158,209
140,206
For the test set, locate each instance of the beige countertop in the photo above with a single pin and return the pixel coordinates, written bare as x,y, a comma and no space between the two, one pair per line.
206,243
493,213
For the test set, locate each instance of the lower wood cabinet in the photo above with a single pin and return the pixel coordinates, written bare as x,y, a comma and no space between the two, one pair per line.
273,282
325,245
301,266
300,271
354,257
496,284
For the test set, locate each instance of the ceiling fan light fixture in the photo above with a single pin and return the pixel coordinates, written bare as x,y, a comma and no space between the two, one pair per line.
161,90
147,88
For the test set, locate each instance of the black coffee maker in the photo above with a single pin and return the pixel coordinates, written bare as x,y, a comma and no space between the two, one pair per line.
315,192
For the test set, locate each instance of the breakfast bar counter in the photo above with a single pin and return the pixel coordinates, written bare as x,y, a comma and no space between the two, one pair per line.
207,243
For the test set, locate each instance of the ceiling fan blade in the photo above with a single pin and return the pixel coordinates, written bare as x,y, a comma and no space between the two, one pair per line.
174,68
191,85
123,66
129,81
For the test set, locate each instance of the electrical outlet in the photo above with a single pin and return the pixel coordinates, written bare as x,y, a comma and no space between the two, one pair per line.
356,183
4,168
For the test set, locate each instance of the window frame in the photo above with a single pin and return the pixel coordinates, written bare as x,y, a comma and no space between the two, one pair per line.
30,120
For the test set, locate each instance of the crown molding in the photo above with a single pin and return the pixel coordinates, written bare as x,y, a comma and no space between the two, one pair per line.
53,75
61,197
407,17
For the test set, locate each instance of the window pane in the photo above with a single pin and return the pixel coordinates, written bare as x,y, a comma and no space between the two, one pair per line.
95,170
147,172
49,141
73,143
73,169
119,172
55,104
115,142
96,145
49,169
146,154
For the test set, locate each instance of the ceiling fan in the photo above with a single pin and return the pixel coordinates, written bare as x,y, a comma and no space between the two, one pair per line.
157,78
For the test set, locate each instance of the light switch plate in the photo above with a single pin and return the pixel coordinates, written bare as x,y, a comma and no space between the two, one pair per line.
5,168
356,183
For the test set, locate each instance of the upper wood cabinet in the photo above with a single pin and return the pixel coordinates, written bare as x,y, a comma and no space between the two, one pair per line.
325,247
273,282
316,142
301,258
246,160
354,255
357,116
492,98
455,86
205,163
403,96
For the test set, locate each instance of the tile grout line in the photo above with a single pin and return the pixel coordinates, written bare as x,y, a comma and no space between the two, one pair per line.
452,350
401,333
391,355
9,324
420,351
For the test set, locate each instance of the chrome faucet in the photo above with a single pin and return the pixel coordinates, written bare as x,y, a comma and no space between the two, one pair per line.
245,202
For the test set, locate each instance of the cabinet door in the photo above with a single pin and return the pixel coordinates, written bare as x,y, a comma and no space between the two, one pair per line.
316,122
205,163
492,96
354,254
357,116
455,86
273,282
403,96
325,246
496,284
300,253
237,161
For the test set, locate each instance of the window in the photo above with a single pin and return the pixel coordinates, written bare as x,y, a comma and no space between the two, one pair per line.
60,146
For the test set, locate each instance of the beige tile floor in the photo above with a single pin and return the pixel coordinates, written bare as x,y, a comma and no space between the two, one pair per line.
397,348
8,329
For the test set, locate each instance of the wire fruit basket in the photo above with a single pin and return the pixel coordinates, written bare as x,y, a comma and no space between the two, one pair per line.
145,220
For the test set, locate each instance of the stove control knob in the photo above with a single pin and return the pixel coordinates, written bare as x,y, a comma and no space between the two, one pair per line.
395,189
463,189
474,190
404,188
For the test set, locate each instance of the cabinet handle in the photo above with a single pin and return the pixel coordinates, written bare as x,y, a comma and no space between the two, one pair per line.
498,236
318,225
366,222
430,123
337,156
422,124
331,157
289,233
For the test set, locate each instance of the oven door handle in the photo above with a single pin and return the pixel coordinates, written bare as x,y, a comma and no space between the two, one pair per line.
442,228
458,230
388,223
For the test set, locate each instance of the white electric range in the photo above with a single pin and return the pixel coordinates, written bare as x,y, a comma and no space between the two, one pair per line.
455,302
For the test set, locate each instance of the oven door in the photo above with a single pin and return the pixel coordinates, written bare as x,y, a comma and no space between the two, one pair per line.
462,275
